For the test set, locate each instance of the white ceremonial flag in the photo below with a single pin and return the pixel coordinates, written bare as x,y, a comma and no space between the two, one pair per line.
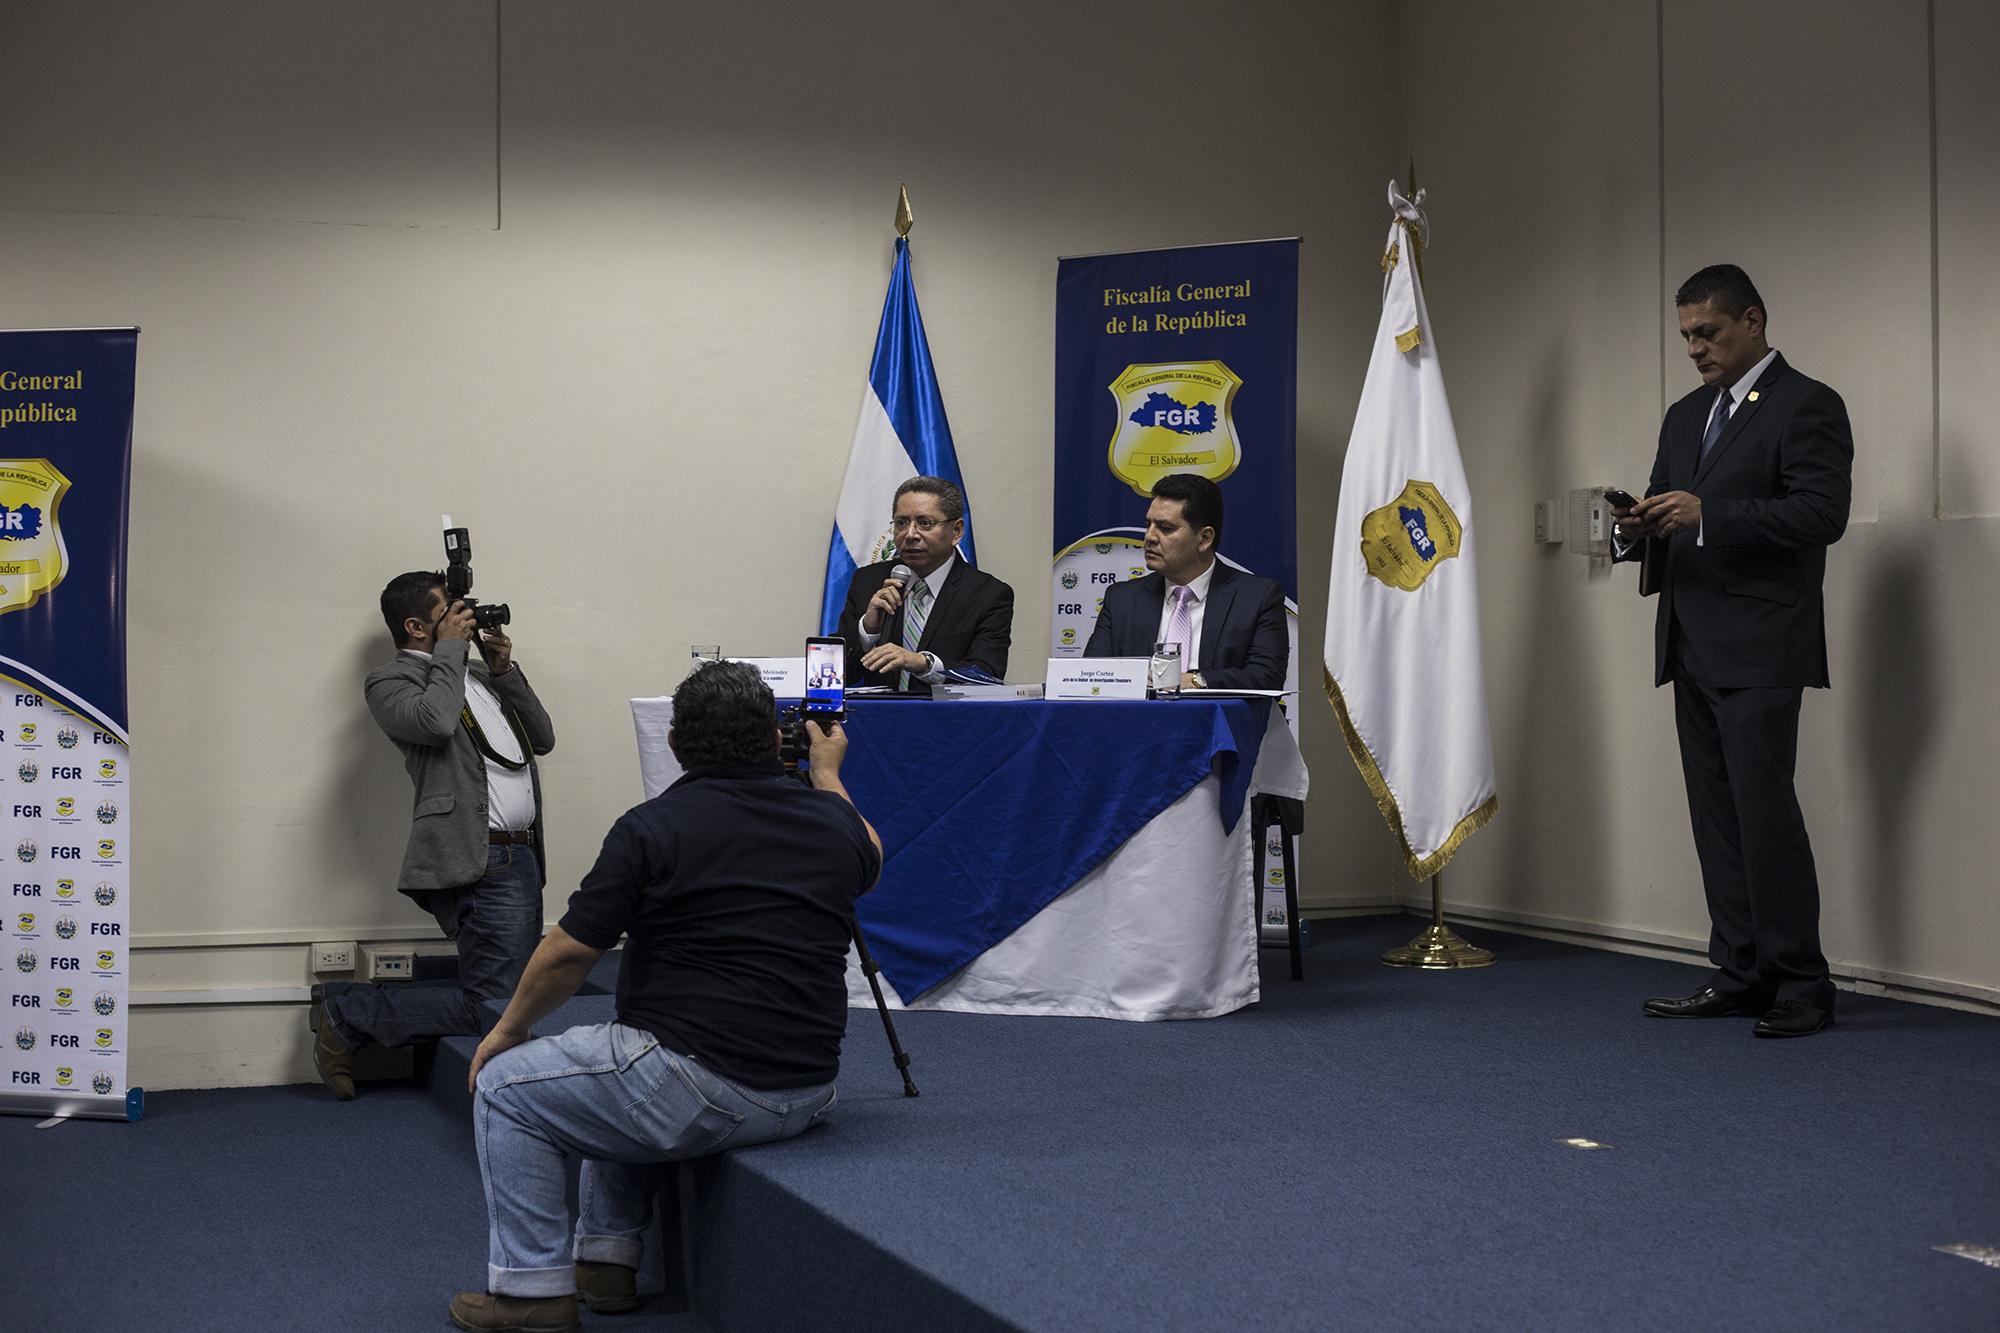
1402,606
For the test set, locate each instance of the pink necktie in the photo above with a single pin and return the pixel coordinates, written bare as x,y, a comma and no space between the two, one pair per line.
1181,624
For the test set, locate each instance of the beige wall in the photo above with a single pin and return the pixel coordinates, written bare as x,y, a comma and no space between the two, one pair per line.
601,280
1585,158
607,296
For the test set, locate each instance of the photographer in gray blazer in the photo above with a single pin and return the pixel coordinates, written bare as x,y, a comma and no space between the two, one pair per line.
469,731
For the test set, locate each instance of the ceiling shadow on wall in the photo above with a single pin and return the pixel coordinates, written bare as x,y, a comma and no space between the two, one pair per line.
1549,748
1898,706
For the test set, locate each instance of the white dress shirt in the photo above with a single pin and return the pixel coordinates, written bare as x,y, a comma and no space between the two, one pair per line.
510,792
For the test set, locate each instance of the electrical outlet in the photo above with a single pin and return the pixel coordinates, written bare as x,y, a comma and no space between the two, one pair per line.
387,962
1548,521
333,957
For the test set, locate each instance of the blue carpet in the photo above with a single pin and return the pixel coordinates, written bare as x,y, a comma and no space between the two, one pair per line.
1383,1149
1367,1149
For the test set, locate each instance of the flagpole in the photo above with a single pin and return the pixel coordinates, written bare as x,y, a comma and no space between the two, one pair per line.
1438,947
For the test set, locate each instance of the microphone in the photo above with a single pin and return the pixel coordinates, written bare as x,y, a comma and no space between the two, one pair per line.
902,576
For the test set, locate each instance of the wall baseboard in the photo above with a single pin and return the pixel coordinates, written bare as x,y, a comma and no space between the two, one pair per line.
1849,976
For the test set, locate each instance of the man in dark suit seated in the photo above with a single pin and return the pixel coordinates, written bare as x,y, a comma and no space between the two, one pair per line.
1750,486
1230,624
950,616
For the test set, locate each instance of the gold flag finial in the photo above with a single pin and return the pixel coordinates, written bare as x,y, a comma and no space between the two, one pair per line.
904,218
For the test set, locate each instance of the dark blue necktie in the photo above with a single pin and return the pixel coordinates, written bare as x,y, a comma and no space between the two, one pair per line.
1723,404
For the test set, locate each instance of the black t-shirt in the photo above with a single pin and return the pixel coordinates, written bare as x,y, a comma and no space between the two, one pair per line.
736,888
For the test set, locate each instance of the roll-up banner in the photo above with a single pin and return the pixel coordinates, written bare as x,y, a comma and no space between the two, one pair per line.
65,759
1182,360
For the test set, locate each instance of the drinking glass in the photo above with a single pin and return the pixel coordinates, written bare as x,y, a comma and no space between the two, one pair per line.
1165,671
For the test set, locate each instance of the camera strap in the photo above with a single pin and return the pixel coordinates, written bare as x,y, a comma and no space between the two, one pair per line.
485,747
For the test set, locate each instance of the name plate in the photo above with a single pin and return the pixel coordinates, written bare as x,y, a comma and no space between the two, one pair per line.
785,675
1097,678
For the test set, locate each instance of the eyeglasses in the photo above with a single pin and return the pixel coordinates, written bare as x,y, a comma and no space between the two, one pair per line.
922,523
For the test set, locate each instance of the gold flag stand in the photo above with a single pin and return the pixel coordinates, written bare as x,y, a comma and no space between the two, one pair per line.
1438,947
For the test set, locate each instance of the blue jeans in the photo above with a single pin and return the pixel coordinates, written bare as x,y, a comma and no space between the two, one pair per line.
613,1096
496,924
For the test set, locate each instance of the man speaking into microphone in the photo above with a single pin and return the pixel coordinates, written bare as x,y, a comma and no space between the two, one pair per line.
910,619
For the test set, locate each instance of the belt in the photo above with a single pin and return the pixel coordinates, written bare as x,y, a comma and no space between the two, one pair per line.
503,837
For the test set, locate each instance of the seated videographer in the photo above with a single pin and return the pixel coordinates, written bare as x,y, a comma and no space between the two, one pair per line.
734,890
948,616
469,732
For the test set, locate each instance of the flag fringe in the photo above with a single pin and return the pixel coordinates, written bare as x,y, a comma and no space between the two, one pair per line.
1385,800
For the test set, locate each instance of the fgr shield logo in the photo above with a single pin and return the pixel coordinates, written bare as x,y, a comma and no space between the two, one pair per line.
26,961
25,851
106,959
1405,541
65,806
105,894
67,738
25,1038
1174,417
27,732
101,1083
107,848
25,922
103,1039
65,889
107,812
31,544
28,772
107,768
65,997
66,928
64,1076
105,1004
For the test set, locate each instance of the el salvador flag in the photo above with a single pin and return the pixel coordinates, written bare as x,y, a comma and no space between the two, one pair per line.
902,434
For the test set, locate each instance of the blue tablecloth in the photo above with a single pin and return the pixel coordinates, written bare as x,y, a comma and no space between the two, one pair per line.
989,810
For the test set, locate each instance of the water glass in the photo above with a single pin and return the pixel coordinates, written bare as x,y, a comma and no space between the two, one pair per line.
1165,671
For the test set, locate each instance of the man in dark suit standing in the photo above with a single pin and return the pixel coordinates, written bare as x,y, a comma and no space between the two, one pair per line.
950,616
1750,487
1230,625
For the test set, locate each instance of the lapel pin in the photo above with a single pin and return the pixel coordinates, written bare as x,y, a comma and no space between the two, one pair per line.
1753,395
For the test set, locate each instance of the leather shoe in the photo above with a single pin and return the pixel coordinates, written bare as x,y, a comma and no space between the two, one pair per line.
607,1288
332,1057
484,1311
1705,1003
1793,1018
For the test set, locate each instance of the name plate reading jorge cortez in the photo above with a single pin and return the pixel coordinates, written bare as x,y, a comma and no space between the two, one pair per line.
786,676
1097,678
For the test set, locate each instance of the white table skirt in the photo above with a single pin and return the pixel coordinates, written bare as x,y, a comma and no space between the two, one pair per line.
1163,928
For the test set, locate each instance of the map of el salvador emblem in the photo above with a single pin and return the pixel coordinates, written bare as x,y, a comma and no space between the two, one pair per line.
33,557
1405,540
1174,416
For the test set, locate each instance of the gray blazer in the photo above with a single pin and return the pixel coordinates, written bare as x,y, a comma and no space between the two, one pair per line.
418,703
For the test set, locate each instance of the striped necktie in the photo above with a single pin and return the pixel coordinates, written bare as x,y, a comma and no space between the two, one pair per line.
1180,625
915,611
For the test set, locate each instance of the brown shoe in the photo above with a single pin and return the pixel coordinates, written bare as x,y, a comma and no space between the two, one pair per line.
486,1313
607,1288
332,1057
